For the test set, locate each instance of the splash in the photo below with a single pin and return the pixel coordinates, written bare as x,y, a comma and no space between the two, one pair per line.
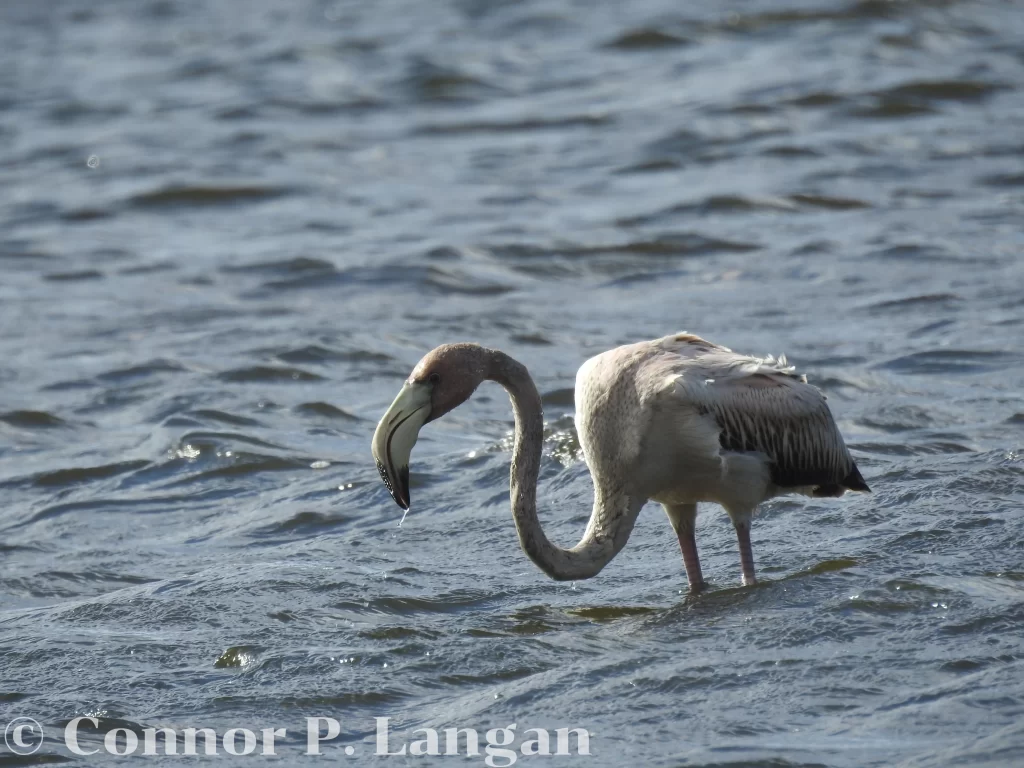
404,515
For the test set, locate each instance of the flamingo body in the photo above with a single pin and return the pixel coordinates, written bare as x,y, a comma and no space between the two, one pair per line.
678,420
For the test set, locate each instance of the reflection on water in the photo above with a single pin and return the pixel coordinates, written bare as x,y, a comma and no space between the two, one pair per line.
228,231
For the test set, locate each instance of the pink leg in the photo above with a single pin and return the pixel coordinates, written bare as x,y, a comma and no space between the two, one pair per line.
684,520
688,543
746,554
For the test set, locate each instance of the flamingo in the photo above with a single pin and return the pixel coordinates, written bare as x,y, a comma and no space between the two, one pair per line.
677,420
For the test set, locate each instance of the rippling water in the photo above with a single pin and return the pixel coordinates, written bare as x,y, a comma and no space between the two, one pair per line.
228,230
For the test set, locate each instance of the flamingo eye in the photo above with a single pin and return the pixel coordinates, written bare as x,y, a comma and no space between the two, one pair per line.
434,377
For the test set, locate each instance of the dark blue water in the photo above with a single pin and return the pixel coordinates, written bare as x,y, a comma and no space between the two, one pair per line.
228,231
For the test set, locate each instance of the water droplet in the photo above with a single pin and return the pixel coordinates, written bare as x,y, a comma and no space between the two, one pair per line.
321,464
93,161
188,451
404,515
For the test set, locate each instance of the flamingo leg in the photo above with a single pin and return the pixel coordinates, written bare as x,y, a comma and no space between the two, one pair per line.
746,554
688,544
684,520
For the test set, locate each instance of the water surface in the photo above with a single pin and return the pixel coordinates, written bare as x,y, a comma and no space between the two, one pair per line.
228,231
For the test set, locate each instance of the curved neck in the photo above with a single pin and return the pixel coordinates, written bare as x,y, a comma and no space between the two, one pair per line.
614,513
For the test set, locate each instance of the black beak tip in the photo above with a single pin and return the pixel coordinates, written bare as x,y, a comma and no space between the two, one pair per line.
403,479
401,499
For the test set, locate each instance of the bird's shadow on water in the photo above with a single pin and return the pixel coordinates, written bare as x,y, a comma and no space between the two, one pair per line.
710,602
601,614
721,600
715,598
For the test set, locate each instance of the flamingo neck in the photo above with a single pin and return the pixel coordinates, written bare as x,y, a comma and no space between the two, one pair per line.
614,512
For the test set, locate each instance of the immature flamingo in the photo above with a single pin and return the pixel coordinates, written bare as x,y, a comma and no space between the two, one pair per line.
677,420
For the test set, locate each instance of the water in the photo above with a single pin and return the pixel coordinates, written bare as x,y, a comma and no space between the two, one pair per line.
230,229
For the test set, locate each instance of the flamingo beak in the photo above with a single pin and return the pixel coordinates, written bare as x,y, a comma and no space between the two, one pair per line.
396,435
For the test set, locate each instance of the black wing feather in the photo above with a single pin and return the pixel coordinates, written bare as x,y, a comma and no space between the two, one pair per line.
804,448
